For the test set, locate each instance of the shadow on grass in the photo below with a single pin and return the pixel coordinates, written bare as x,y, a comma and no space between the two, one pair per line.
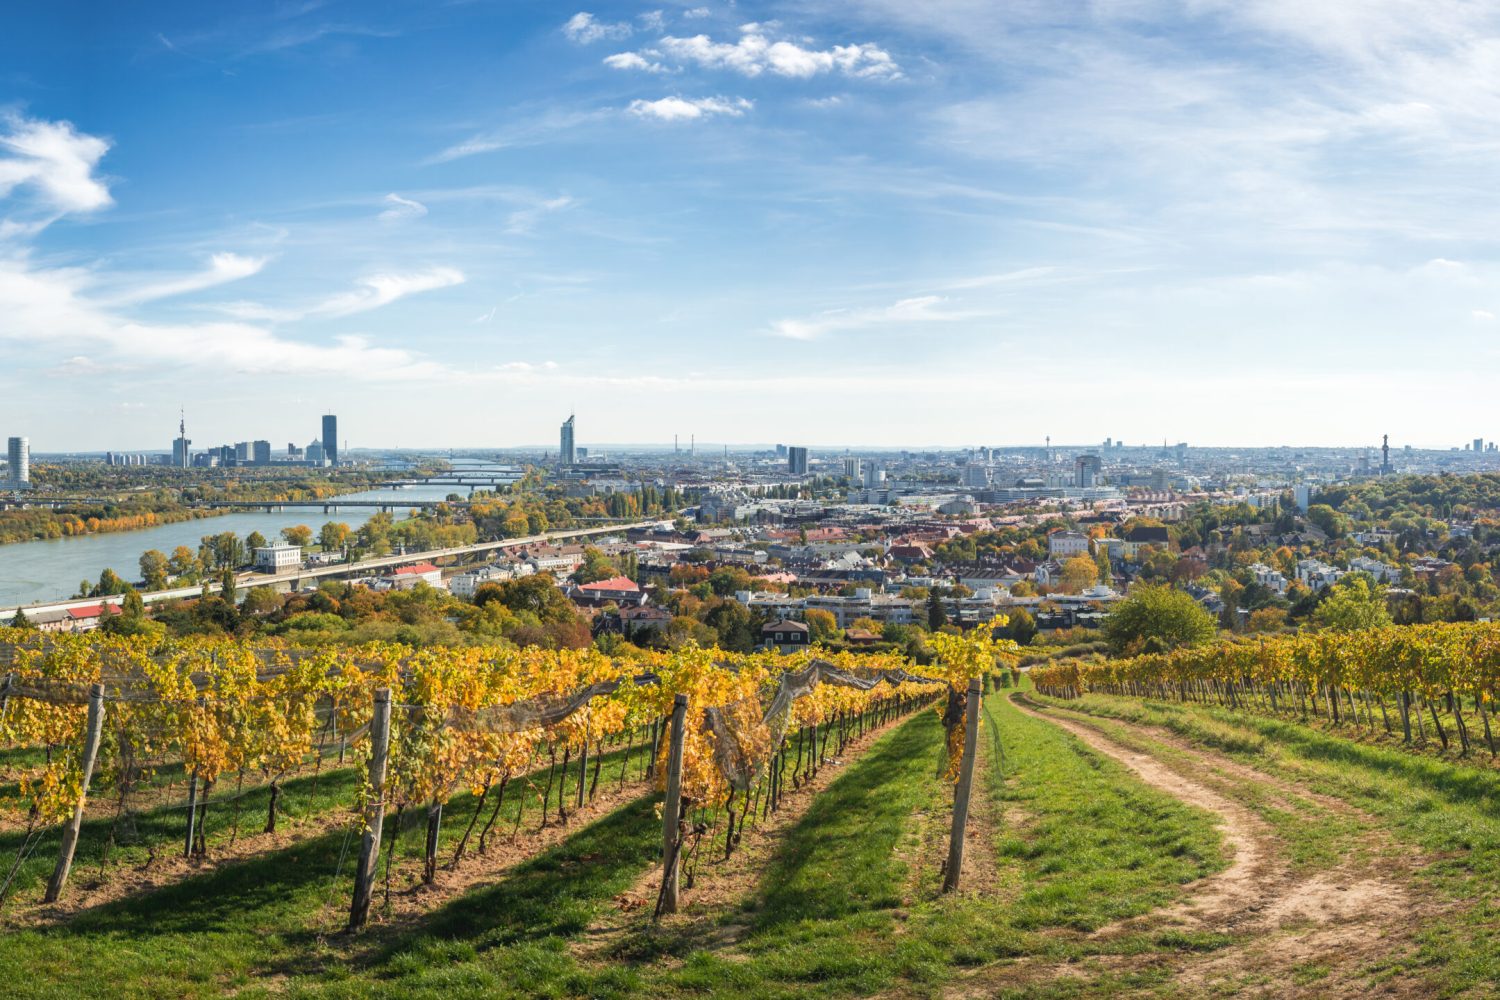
838,860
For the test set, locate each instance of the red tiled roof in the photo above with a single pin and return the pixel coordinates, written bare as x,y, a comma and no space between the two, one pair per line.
615,584
419,568
92,611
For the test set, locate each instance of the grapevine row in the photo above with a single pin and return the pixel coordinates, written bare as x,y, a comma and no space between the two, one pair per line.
1433,671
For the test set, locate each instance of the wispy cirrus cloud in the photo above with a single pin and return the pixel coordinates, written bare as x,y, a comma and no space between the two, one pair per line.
222,269
585,29
399,209
920,309
677,109
757,52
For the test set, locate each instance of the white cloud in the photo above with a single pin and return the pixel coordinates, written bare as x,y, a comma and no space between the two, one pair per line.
756,53
371,292
55,161
696,12
922,309
633,60
49,306
1483,315
524,220
585,29
401,209
676,109
222,268
653,20
382,289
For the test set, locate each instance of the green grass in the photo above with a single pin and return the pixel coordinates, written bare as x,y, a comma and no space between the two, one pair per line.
837,912
1450,811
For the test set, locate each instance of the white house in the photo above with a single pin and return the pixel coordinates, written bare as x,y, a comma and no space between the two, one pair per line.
1066,544
277,558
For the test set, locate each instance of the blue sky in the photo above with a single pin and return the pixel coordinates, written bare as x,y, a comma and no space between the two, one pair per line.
861,222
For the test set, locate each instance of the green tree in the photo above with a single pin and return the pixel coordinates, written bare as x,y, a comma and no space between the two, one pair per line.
254,540
109,584
1157,619
21,621
1351,605
298,534
937,615
154,569
227,584
261,601
132,619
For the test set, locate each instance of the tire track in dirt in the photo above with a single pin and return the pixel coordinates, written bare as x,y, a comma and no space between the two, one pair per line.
1295,935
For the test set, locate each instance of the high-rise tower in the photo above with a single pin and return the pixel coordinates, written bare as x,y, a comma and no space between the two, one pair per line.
19,454
567,454
331,439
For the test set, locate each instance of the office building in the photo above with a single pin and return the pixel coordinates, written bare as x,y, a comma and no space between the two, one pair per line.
242,453
331,439
796,460
260,452
19,454
566,453
1478,445
852,469
1086,470
315,454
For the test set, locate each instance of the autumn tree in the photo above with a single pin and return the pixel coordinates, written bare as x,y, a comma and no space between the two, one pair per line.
823,626
333,536
1078,573
298,534
184,564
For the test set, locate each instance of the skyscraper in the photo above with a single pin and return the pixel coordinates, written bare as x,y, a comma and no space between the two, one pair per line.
19,454
796,460
261,452
331,439
566,453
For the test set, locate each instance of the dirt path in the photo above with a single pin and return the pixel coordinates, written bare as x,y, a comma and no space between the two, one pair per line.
1295,935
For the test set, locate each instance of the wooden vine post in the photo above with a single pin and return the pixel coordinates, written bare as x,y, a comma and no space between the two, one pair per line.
70,832
961,793
369,847
671,811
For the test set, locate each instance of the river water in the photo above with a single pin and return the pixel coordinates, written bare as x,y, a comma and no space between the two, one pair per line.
46,570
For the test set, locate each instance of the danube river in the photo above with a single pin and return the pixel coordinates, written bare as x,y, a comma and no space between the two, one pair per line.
32,572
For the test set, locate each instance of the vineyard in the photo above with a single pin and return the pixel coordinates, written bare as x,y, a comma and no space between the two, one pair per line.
208,817
134,723
1443,672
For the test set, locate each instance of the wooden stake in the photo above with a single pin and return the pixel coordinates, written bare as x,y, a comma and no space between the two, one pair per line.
961,794
369,847
672,809
70,832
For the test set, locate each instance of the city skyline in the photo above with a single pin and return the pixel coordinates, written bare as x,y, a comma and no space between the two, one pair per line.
1234,218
